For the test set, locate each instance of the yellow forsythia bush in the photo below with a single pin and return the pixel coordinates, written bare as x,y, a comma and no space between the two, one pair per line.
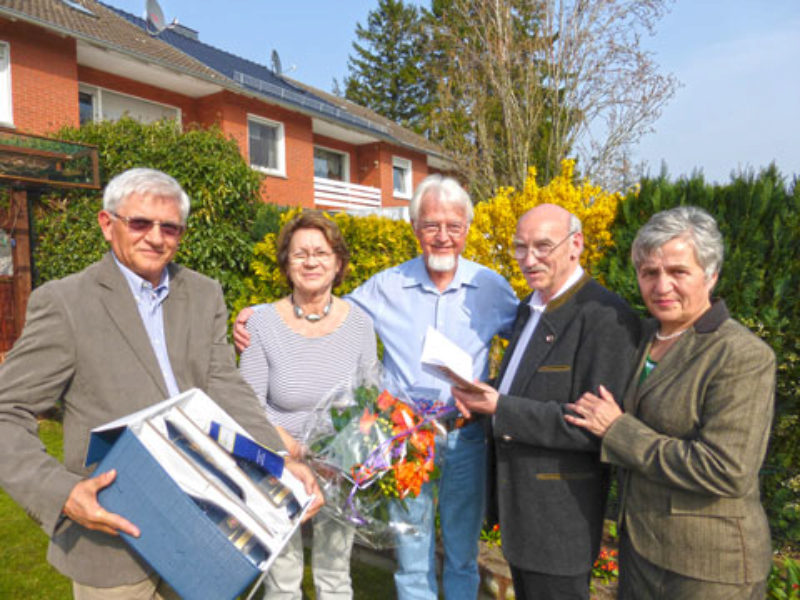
492,230
375,243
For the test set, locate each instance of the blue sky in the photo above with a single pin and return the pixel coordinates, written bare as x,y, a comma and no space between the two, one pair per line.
738,106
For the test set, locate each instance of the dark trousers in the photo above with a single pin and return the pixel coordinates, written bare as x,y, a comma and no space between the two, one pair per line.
639,579
530,585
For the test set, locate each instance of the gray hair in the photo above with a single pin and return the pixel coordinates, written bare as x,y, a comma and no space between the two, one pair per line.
575,225
690,222
446,189
147,182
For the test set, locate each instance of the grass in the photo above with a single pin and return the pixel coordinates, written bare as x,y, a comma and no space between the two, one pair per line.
25,573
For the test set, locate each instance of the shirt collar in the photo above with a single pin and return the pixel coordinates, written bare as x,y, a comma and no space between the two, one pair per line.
137,283
536,298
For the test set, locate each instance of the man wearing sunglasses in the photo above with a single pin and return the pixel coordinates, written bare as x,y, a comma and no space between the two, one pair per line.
130,330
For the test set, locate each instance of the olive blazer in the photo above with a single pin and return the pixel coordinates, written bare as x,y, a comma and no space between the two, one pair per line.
692,440
550,485
84,345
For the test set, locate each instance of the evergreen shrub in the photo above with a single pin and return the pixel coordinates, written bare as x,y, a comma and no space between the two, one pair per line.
224,191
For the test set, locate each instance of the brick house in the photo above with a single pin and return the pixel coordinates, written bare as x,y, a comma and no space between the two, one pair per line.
63,62
66,62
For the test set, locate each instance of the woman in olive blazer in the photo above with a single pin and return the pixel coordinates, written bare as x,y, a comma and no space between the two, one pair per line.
695,427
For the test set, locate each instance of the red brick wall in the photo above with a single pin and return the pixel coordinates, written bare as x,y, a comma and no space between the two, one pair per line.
43,78
297,187
419,171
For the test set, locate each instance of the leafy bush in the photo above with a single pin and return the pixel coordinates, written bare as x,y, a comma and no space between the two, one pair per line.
495,222
759,217
223,188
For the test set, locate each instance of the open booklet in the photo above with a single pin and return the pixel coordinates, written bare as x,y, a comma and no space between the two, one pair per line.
442,358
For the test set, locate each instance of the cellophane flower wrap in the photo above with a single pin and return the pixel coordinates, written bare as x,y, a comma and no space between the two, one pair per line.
370,450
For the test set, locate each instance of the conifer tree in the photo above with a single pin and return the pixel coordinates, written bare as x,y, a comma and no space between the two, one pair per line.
386,71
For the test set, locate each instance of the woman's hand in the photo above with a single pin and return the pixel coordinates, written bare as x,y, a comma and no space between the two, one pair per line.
594,413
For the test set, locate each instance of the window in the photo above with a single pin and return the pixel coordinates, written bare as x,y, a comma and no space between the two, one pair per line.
6,114
266,146
98,104
401,169
331,164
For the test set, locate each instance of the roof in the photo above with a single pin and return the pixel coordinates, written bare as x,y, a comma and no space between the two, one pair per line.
103,25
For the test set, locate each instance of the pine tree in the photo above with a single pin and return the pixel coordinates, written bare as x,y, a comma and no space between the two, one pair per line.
386,72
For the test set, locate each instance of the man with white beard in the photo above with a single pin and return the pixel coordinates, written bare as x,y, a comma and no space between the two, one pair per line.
469,304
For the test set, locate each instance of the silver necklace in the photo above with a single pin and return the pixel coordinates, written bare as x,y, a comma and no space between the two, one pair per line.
671,336
313,317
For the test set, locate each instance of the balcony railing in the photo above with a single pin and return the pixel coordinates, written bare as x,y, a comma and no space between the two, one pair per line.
339,195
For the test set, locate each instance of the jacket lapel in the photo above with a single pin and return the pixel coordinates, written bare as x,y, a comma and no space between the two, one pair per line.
685,351
523,314
121,308
176,325
552,321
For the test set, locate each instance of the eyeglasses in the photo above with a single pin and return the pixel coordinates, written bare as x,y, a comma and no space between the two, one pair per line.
301,257
143,225
430,229
539,250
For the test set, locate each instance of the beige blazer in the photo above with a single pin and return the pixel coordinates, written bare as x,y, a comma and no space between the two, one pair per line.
691,443
84,345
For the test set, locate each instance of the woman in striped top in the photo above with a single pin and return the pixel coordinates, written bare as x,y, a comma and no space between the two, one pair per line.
302,347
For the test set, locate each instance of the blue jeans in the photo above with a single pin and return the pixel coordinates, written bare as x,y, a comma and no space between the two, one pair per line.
462,491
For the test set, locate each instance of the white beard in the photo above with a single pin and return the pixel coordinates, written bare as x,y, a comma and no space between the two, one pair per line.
441,262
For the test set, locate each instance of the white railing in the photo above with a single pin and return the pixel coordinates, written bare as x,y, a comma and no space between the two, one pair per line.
340,195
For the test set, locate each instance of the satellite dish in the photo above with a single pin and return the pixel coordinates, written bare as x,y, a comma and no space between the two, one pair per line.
155,18
276,63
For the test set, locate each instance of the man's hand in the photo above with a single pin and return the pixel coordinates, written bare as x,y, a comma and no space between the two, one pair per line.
469,402
82,507
304,474
241,339
595,413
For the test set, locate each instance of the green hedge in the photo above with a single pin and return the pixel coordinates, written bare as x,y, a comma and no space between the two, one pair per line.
759,217
223,188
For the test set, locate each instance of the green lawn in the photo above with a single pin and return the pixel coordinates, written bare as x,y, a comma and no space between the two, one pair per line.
25,573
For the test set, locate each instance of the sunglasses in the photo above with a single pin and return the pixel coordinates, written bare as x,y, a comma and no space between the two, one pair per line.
142,225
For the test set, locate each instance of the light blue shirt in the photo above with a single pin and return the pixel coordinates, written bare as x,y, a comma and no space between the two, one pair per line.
403,302
149,301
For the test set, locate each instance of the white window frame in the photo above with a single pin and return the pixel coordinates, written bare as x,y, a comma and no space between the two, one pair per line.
403,163
280,141
6,100
345,161
97,93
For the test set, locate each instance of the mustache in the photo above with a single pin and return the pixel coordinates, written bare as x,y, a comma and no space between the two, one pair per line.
536,269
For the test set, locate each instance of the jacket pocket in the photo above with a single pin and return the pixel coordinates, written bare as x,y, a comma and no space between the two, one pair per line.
682,503
555,369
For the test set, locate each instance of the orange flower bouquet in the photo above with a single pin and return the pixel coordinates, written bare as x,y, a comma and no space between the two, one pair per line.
373,451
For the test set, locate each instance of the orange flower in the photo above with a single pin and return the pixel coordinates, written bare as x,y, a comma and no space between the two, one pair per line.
422,439
410,476
366,421
402,417
384,401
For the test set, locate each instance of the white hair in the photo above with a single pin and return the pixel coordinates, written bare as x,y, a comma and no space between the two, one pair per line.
445,189
147,182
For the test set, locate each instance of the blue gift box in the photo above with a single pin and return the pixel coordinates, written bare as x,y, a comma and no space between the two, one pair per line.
177,538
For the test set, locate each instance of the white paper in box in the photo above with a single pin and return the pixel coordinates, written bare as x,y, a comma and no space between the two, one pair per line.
177,539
